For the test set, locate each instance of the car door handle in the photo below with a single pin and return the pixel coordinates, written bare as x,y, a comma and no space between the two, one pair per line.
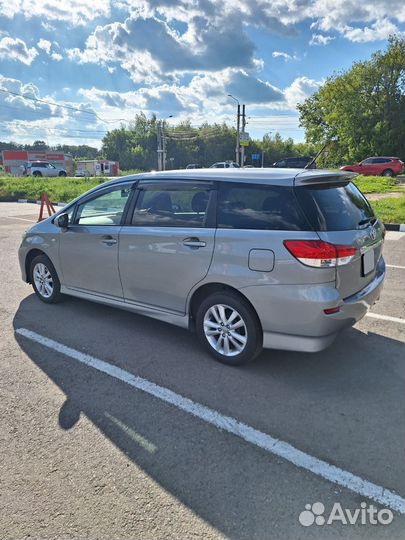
194,242
108,240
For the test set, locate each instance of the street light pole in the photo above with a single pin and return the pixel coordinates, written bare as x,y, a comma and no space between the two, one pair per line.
237,149
242,157
164,143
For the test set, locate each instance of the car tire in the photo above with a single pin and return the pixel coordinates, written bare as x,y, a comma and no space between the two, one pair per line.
44,279
228,344
62,173
388,173
36,173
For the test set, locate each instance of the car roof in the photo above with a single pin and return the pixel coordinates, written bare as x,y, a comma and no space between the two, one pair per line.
258,175
383,157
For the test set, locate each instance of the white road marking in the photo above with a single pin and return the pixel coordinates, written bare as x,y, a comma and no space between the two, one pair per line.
395,266
249,434
21,219
385,318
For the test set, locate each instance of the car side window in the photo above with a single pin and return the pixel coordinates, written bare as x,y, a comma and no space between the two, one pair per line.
259,208
171,207
368,161
105,209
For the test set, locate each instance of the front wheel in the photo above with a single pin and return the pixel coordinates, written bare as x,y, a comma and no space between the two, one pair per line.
36,173
45,280
387,172
62,173
229,328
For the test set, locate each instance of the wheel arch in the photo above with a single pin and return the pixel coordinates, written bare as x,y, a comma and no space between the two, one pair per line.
28,260
205,290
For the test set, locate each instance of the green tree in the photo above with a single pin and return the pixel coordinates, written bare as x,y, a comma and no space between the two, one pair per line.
362,109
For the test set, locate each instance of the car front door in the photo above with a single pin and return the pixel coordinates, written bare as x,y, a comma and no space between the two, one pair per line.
88,248
52,170
366,167
167,243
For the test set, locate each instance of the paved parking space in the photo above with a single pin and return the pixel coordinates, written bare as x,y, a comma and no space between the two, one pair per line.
88,455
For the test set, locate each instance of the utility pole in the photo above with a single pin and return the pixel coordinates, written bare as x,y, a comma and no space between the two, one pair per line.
159,144
163,147
237,148
243,131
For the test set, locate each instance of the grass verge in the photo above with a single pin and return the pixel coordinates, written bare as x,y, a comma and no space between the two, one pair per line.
58,189
390,210
376,184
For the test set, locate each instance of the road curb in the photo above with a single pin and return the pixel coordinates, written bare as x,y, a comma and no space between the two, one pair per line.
395,227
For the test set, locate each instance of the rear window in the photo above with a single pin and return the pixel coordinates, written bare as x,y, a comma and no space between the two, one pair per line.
259,207
334,207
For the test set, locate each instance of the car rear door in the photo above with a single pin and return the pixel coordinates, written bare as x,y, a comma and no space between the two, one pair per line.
342,216
167,243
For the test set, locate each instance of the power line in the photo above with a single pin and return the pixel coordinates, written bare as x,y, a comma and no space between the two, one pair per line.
69,107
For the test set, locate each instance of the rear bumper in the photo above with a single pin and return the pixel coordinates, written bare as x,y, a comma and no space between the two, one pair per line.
293,318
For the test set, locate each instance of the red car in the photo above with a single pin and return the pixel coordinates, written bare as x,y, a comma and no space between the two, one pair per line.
377,166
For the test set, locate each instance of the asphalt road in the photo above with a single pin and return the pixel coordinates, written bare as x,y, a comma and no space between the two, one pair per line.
85,455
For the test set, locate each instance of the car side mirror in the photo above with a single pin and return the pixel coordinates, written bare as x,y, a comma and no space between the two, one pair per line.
62,221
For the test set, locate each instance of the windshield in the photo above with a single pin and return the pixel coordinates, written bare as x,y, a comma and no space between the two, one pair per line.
335,207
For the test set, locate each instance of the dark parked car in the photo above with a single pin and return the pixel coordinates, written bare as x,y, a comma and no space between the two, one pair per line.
299,162
377,166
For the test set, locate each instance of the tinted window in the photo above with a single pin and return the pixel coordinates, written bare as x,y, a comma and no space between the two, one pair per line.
106,209
183,207
368,161
259,207
334,207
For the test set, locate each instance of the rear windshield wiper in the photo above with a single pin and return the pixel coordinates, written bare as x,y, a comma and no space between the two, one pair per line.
371,220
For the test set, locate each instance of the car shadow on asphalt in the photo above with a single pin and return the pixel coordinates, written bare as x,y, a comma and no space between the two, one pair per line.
237,491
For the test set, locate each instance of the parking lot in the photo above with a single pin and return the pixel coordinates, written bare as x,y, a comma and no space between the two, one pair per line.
90,454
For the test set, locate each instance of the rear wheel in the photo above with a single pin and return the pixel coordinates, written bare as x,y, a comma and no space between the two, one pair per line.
45,280
388,172
229,328
62,173
36,173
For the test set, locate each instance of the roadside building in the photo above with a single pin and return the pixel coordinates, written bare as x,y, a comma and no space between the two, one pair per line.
14,162
98,167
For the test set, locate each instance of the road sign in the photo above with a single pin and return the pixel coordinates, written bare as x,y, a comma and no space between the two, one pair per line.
244,138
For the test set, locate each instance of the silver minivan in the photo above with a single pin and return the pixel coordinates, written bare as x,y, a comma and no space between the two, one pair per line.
247,258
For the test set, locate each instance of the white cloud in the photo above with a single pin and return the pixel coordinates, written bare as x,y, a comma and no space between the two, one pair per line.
319,39
150,50
25,119
76,12
299,90
378,31
16,49
45,45
285,56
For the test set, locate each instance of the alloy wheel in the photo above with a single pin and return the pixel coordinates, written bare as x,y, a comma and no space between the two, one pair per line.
43,280
225,330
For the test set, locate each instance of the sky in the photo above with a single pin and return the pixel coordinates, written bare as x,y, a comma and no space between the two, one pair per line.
71,70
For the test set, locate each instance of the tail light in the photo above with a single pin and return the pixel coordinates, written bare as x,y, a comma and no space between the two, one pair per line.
319,254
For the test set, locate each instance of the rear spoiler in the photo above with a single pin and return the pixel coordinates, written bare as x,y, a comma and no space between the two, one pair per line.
323,177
